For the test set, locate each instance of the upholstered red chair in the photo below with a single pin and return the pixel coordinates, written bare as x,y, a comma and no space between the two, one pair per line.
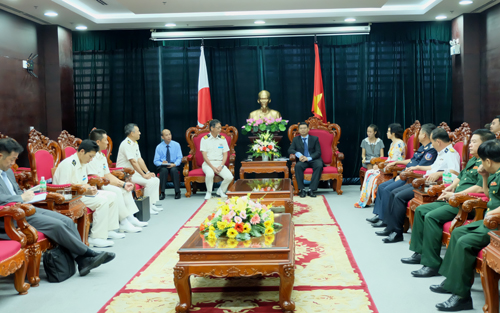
193,173
329,135
13,253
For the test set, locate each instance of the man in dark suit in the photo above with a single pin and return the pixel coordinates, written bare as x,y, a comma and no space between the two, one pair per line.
57,227
307,149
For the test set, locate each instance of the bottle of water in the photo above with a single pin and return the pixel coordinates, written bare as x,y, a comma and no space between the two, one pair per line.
43,185
447,177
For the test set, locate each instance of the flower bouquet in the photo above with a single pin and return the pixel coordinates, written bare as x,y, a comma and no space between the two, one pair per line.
239,218
265,145
264,124
225,243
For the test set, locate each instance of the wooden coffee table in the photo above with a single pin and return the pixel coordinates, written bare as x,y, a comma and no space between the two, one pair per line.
280,193
196,257
263,167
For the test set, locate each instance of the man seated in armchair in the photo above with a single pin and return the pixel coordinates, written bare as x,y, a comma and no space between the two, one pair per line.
395,212
123,190
73,170
466,241
425,155
429,219
214,149
307,149
495,125
59,228
168,157
129,155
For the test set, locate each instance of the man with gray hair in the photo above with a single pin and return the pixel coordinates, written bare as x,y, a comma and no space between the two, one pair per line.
130,156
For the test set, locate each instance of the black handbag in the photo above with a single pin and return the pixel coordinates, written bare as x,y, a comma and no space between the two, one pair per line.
58,264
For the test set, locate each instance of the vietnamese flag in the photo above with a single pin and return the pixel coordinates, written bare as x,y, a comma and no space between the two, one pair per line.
204,103
318,105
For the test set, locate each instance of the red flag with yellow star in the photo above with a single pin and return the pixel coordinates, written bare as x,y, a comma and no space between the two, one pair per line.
318,106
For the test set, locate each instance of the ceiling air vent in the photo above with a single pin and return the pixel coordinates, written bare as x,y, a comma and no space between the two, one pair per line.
21,13
101,2
484,6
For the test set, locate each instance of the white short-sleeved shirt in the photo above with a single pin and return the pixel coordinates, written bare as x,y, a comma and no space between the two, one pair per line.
70,171
98,166
128,150
214,146
447,159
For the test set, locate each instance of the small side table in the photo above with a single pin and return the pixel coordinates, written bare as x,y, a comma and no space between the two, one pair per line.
260,167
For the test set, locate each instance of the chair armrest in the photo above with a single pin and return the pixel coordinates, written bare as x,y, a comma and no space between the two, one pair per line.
418,183
98,181
378,160
340,155
492,221
436,190
10,213
409,174
293,158
187,158
29,231
55,197
460,199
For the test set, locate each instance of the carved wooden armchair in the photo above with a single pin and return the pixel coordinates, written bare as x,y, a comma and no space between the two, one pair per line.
193,173
460,139
13,253
329,135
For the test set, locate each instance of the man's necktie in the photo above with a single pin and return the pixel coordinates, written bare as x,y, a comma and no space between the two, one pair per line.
168,153
8,183
306,148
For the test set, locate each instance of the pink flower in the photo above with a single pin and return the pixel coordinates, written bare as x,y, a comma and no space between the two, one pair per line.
250,120
255,219
278,119
243,214
237,219
226,218
243,126
231,214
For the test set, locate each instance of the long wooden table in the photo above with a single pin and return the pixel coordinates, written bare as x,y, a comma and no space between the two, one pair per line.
196,257
279,191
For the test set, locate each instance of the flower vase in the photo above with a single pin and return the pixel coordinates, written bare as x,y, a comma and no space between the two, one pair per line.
265,157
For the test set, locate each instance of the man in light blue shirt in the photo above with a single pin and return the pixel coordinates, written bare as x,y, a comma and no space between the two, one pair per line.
168,156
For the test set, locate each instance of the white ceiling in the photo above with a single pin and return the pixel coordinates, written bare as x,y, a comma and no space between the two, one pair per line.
153,14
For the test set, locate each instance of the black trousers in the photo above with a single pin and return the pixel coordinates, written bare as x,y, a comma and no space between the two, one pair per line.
395,213
174,173
385,196
300,167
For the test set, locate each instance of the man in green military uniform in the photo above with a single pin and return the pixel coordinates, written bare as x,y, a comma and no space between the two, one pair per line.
430,218
466,241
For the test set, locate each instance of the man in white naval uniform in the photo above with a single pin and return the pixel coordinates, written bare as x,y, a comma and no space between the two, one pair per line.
123,190
73,170
130,156
214,149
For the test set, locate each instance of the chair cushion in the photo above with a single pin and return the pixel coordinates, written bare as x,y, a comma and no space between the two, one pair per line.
447,225
409,147
196,172
24,169
481,196
138,187
69,151
325,141
41,236
199,156
459,147
44,164
480,254
326,170
8,248
419,172
401,166
89,211
363,169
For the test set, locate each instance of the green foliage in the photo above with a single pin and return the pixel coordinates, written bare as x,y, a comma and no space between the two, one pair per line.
243,236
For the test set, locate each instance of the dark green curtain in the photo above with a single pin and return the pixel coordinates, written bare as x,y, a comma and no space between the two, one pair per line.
399,73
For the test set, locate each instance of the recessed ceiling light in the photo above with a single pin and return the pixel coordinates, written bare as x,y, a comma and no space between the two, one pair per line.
259,22
50,13
465,2
350,19
441,17
170,25
81,27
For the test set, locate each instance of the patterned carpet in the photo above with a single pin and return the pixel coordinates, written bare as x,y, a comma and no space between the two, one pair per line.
327,278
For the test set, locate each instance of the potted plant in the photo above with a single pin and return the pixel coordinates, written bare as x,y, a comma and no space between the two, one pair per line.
264,124
265,146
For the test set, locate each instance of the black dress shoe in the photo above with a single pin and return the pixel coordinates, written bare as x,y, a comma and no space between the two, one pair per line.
85,265
380,223
439,288
302,194
177,195
414,259
373,219
455,303
393,237
426,271
311,194
162,196
384,232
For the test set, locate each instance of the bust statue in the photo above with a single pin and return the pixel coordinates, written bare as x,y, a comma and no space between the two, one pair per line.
264,111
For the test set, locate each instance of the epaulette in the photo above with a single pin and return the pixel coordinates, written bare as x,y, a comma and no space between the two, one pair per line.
129,142
222,137
205,137
452,150
74,162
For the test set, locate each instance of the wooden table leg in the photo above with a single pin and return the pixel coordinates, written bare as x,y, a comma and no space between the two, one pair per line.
289,207
83,226
489,279
287,277
183,286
